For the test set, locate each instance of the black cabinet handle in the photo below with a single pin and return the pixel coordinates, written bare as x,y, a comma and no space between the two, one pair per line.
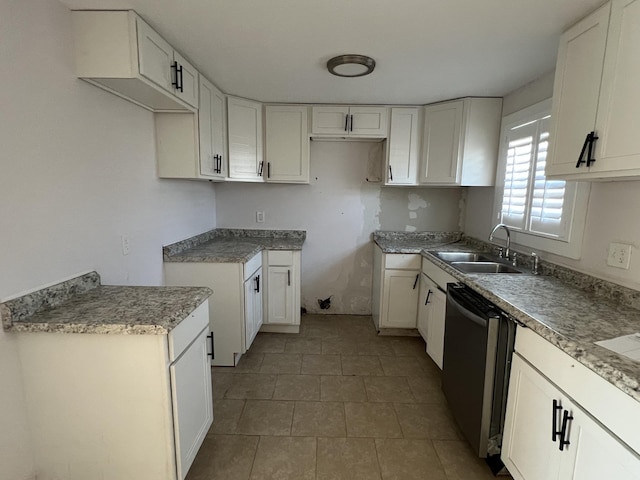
212,354
260,169
426,302
181,87
346,123
587,147
268,169
351,127
174,79
289,277
257,280
178,83
554,426
390,173
564,434
416,282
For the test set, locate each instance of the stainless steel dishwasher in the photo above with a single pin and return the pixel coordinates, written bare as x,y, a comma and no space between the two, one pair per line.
478,346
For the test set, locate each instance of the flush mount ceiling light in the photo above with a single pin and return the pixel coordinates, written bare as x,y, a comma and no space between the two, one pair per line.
351,65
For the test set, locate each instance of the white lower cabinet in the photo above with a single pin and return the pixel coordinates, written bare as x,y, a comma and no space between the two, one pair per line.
118,406
549,435
431,317
252,307
282,304
395,289
228,320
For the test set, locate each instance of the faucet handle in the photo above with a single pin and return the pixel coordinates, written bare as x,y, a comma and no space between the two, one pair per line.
500,252
514,258
536,262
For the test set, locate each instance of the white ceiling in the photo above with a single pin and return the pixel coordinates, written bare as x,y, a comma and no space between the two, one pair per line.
426,50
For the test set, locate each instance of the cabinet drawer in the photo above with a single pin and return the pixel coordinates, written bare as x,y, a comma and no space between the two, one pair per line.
187,330
406,261
602,400
252,265
280,257
435,273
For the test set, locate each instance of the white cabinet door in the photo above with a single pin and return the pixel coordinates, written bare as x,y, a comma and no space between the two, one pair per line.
403,147
423,306
155,56
192,401
593,453
437,312
187,88
528,450
368,121
576,89
280,296
441,142
287,143
618,148
332,120
400,299
211,130
245,139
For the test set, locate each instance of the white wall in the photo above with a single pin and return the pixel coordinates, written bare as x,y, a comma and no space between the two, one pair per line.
339,210
77,170
611,216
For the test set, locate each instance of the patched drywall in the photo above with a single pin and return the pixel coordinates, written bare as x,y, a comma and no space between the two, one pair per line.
339,209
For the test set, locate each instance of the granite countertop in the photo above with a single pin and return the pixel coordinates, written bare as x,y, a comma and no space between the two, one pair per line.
232,246
82,305
413,242
569,317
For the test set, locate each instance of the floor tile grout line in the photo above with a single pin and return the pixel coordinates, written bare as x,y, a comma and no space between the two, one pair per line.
255,455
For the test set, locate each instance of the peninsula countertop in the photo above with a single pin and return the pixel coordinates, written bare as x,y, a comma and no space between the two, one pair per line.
82,305
232,245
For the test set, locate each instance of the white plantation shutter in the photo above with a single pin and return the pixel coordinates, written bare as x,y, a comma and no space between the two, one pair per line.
531,202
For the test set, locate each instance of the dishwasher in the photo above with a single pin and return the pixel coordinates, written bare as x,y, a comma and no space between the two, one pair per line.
478,346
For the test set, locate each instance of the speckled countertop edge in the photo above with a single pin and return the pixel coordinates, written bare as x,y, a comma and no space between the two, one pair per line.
618,370
88,307
412,242
232,245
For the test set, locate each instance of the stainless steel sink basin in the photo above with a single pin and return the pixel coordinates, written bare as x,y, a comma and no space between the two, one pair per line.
462,257
484,267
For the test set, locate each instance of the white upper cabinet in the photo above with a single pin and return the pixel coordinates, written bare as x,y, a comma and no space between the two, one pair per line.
576,91
605,46
403,147
460,142
119,52
349,121
212,130
287,143
244,124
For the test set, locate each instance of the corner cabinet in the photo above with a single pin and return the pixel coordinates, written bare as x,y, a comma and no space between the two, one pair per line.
287,143
460,142
119,52
244,125
549,434
395,289
136,406
282,303
595,90
349,121
403,147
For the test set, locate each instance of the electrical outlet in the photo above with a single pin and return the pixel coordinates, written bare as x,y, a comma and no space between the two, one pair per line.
126,245
260,217
619,255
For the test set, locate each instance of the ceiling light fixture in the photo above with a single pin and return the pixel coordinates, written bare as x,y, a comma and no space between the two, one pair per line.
351,65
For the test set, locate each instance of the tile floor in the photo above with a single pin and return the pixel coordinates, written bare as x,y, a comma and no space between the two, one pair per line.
334,402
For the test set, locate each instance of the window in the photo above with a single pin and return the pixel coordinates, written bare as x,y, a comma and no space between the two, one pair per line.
544,214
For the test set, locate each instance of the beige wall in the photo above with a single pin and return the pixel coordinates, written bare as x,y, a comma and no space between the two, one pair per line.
77,170
611,216
339,210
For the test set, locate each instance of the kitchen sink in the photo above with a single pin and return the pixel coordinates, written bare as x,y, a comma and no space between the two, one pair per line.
484,267
462,257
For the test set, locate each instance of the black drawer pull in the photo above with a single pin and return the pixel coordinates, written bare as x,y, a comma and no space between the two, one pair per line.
426,302
289,278
212,354
564,434
416,282
346,123
554,426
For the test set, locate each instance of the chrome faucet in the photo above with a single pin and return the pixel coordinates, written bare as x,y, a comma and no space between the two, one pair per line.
508,245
